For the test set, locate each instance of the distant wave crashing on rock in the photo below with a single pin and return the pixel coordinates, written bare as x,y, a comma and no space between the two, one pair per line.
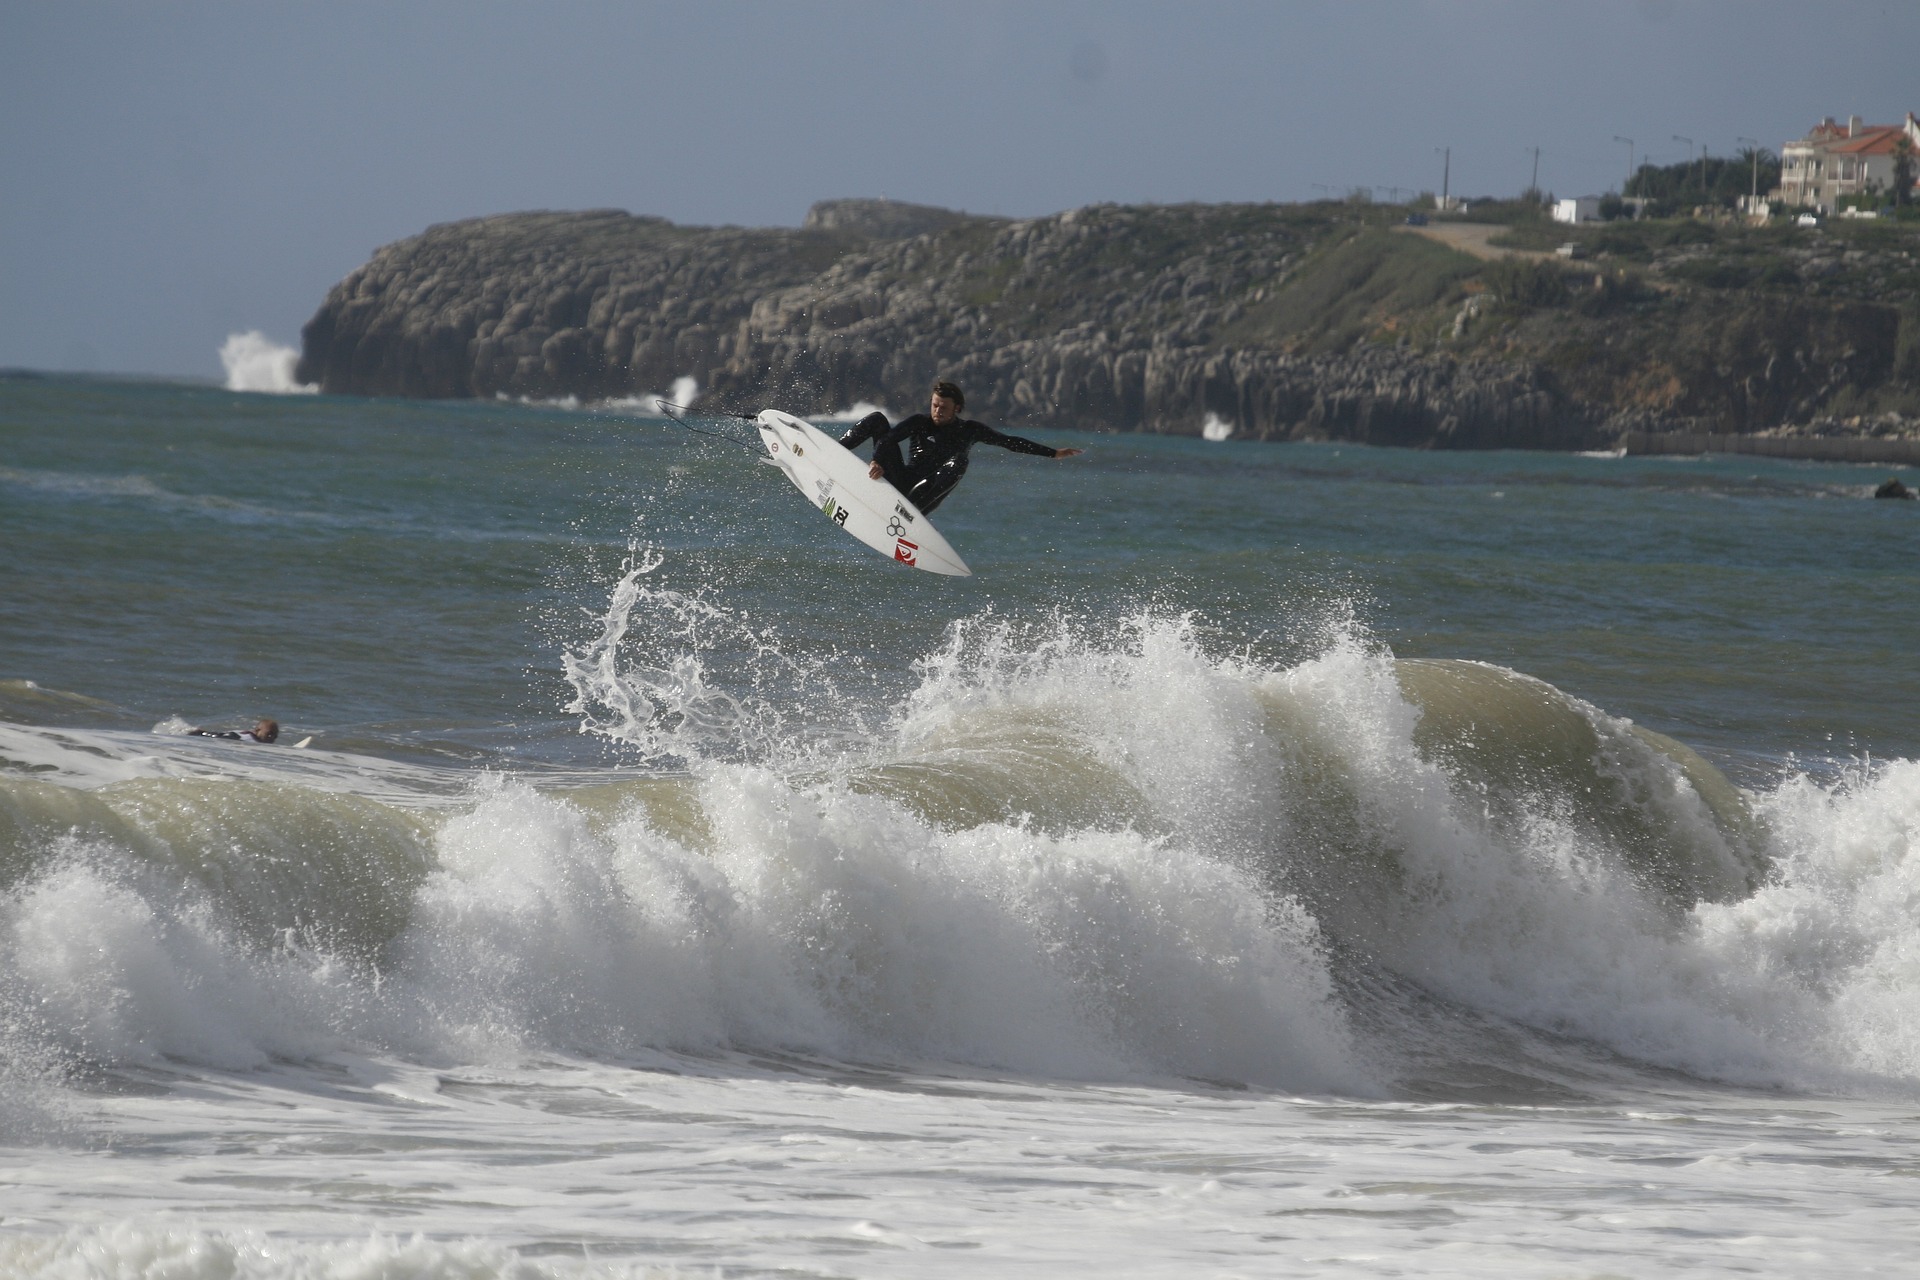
255,362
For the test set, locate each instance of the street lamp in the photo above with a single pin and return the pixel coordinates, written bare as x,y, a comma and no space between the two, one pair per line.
1689,142
1629,142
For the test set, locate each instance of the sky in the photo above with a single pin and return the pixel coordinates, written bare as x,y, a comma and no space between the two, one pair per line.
172,173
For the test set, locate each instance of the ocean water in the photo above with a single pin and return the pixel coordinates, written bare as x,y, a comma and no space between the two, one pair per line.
1276,859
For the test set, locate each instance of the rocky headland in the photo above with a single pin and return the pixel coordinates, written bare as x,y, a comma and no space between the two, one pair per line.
1288,322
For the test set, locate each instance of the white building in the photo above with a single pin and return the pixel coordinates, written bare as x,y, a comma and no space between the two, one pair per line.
1836,160
1577,209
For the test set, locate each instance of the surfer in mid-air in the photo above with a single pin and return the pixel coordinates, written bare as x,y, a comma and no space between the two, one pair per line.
941,440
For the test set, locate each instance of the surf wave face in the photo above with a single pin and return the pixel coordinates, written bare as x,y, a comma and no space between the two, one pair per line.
254,362
1077,848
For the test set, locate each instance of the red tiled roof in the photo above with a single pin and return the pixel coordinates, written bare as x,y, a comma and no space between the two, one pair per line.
1874,140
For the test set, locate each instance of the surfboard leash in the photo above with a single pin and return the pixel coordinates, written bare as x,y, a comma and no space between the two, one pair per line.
675,412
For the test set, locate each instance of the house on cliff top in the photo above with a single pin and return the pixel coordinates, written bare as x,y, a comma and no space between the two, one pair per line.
1837,160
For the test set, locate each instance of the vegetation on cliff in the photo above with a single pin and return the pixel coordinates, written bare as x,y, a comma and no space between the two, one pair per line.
1290,321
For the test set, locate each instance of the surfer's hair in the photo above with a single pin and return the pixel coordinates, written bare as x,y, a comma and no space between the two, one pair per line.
951,391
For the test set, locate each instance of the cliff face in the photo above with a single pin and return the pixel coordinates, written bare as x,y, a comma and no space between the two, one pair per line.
1137,319
551,304
1287,321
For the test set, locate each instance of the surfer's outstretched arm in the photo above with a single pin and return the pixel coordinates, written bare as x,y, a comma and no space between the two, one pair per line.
984,434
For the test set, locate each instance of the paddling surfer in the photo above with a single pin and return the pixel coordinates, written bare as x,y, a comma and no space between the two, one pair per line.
941,440
263,732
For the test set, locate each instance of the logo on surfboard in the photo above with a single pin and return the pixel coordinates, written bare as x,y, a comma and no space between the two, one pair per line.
904,551
836,513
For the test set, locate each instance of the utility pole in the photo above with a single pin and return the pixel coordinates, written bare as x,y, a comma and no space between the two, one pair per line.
1629,142
1446,174
1753,196
1535,184
1689,142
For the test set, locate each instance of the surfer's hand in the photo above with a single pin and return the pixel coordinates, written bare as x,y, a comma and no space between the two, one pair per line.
1066,453
874,472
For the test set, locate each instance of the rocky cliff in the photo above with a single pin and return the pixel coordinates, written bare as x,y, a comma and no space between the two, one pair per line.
1286,321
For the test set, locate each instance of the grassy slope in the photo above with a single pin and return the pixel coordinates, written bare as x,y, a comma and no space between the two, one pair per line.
1741,327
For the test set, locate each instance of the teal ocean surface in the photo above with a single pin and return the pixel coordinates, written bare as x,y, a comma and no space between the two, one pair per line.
1310,857
409,573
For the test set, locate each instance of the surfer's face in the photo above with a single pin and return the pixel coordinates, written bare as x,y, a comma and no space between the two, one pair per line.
943,411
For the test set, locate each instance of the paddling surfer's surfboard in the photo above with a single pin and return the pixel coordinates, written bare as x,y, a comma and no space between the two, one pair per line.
835,480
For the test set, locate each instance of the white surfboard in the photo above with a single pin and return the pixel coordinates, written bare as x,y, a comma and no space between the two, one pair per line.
835,480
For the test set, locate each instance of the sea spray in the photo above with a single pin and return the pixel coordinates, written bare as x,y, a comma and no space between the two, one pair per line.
672,677
254,362
1835,923
685,391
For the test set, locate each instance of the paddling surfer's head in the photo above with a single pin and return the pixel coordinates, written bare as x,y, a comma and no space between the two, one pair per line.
267,730
948,400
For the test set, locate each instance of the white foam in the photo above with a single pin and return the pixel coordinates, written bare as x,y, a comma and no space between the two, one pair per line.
1090,850
1215,428
686,390
1549,925
254,362
131,973
164,1250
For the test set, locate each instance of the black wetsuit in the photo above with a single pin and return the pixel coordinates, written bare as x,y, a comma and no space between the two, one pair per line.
939,453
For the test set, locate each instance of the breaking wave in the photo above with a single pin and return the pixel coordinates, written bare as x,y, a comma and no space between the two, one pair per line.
1088,849
254,362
